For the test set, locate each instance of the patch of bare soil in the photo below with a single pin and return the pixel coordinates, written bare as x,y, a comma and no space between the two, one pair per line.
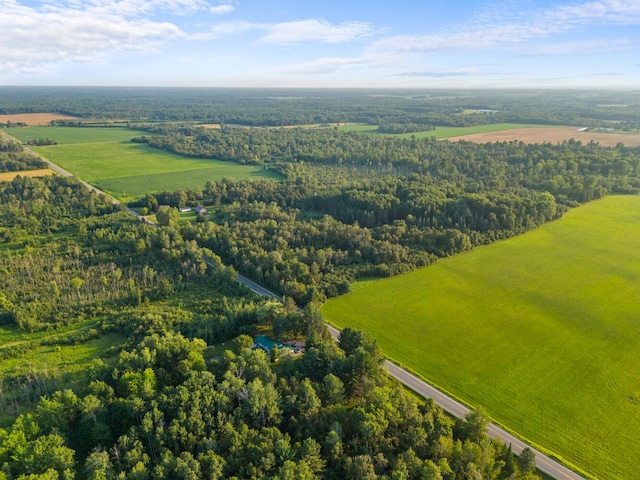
35,118
552,135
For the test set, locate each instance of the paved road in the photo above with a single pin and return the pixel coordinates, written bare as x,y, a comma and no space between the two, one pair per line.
544,463
259,289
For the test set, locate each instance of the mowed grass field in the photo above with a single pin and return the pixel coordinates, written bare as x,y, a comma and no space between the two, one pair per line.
542,331
106,158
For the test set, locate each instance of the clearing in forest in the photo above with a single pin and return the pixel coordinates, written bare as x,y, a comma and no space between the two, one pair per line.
541,330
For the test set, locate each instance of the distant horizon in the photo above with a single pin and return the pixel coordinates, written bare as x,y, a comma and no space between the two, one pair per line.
409,44
330,88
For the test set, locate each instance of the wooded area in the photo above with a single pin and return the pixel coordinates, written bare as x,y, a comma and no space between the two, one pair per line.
181,394
355,205
156,408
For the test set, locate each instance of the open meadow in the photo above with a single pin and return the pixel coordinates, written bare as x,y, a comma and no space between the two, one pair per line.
106,158
541,330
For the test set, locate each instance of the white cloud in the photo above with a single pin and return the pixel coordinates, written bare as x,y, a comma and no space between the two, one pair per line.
324,65
318,30
130,8
226,29
619,12
439,73
583,48
222,9
84,32
510,27
285,33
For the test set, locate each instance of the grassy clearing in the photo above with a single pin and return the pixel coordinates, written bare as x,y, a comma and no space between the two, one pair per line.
50,357
541,330
73,360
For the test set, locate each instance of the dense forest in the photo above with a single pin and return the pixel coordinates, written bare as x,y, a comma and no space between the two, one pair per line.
355,205
278,107
159,406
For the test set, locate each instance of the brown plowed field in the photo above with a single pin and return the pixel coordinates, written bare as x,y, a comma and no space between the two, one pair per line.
552,135
35,118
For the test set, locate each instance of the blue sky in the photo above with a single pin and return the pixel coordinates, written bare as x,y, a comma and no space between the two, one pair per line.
308,43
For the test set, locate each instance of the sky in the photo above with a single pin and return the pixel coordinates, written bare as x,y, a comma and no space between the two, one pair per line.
329,43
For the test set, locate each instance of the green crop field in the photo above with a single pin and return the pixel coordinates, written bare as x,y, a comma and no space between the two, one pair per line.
69,135
440,132
542,331
106,158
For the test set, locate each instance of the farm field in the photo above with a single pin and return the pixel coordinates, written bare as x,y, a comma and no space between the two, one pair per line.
541,330
71,135
507,132
439,132
552,135
106,158
35,118
8,176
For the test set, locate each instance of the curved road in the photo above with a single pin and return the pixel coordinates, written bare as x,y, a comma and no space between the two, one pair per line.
543,463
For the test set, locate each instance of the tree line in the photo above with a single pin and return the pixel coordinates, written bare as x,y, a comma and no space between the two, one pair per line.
283,107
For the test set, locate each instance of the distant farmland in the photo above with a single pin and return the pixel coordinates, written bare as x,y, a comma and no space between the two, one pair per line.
73,135
508,132
35,118
551,135
439,132
105,157
541,330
